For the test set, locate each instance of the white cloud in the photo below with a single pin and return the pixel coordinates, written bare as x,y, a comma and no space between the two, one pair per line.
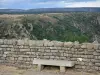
47,3
83,4
7,2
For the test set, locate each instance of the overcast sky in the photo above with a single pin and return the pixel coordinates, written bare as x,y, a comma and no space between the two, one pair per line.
29,4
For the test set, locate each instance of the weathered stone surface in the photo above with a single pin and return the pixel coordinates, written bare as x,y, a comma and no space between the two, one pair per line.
46,57
98,50
48,54
97,64
52,57
84,45
0,49
58,44
39,43
16,51
46,42
76,44
96,53
96,46
1,41
20,42
54,51
24,49
90,46
4,46
47,50
20,58
68,44
50,44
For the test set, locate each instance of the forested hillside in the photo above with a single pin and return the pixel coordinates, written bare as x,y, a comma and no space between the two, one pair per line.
75,26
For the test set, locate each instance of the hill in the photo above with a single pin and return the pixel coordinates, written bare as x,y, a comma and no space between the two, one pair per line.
73,26
49,10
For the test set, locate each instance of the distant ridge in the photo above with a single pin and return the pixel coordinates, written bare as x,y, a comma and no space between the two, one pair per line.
49,10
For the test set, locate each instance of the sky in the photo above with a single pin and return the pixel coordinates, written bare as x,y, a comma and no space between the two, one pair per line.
33,4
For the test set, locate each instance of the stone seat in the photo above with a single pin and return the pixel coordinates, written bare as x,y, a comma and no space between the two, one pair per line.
62,63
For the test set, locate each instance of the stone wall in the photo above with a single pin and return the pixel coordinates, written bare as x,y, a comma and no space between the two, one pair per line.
21,53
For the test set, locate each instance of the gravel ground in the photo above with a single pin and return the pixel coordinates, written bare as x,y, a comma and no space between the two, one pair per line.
8,70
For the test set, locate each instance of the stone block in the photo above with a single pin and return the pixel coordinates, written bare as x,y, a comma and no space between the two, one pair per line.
20,42
41,50
39,43
24,50
32,43
99,57
76,44
0,49
68,44
4,46
97,64
84,46
54,48
8,42
26,47
54,51
98,51
20,58
65,54
96,46
62,69
6,52
12,58
63,58
58,44
33,53
96,68
1,41
96,61
52,57
90,46
46,43
96,54
46,57
57,57
48,54
90,56
78,66
4,55
73,59
28,59
61,51
70,55
28,53
26,41
47,51
11,46
5,41
75,56
90,50
54,54
50,44
88,53
40,67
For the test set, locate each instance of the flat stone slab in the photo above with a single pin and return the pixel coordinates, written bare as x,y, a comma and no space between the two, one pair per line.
54,62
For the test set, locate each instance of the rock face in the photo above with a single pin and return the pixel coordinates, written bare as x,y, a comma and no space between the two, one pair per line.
21,53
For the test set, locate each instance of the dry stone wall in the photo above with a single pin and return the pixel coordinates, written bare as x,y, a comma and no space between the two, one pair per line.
21,53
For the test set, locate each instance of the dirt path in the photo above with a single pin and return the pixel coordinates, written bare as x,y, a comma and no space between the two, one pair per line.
7,70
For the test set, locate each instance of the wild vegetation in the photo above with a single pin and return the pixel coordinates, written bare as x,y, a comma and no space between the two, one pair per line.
75,26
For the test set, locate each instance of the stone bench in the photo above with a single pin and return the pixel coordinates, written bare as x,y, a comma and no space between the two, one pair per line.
62,63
